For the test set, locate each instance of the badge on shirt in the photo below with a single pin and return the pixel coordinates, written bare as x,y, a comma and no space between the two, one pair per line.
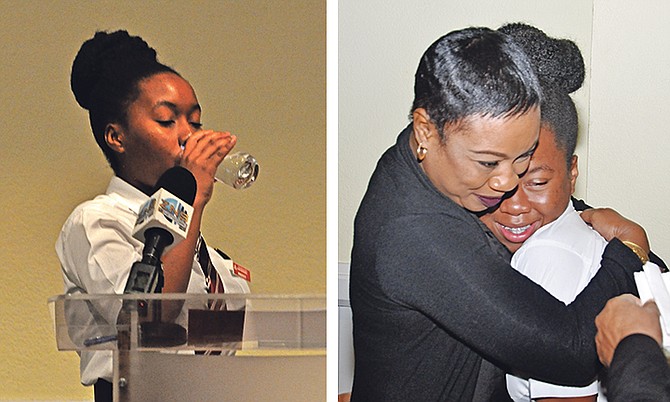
237,270
241,272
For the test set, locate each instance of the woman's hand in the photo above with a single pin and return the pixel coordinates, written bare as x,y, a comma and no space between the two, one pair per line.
611,224
203,151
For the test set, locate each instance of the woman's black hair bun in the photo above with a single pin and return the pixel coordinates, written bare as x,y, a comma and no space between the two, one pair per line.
557,62
106,61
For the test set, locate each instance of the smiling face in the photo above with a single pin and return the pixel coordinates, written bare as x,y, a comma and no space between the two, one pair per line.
480,158
543,194
165,112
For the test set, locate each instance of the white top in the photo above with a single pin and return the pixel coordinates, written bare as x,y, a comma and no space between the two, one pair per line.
96,250
562,257
654,285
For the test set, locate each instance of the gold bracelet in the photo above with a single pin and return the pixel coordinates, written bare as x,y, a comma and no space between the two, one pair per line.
639,251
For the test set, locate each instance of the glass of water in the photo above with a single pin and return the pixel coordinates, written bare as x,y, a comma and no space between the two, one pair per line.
238,170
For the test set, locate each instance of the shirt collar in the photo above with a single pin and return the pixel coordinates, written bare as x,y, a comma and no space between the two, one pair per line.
126,194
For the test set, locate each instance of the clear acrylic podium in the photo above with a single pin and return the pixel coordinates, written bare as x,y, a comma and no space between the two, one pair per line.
185,347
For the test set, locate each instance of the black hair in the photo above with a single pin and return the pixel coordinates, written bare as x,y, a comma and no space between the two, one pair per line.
559,66
474,71
105,77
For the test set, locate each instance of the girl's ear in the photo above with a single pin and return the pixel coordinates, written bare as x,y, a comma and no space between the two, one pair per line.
574,173
115,137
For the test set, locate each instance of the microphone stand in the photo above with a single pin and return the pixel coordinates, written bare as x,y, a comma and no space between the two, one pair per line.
146,276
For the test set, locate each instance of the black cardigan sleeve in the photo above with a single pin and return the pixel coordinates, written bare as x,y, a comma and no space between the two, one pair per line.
423,270
477,297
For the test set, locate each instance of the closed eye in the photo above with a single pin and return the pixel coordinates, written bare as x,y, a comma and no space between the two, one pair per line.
488,165
538,183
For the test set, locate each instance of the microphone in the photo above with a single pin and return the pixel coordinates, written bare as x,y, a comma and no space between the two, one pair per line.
161,224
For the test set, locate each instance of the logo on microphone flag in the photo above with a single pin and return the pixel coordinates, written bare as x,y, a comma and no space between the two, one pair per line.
174,211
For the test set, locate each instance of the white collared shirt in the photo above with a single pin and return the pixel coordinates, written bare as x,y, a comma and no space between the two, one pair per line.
96,250
562,257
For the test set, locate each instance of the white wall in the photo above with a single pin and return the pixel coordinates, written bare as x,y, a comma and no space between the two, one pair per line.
380,43
628,133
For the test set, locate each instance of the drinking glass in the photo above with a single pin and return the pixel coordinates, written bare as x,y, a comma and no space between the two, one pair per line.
238,170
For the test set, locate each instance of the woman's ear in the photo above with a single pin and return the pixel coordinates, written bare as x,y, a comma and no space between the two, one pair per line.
114,137
424,129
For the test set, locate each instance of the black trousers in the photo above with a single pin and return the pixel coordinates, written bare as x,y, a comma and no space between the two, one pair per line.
102,390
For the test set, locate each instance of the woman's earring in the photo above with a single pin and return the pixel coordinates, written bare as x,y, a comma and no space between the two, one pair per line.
421,152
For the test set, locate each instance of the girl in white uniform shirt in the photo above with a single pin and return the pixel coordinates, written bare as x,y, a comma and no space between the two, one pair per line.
146,119
552,244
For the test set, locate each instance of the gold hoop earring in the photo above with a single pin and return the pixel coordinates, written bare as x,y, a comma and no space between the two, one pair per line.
421,152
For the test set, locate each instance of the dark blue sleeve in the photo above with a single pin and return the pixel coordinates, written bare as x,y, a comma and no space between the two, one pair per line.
639,371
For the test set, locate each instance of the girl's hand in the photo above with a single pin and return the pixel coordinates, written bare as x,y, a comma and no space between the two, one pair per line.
203,151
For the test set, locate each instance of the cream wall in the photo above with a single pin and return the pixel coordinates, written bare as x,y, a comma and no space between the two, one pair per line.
377,62
623,119
629,135
258,68
622,106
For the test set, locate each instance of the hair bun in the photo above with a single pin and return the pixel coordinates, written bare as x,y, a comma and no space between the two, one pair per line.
102,61
557,62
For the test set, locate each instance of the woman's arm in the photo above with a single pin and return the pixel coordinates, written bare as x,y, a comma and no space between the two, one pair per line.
610,224
582,206
447,270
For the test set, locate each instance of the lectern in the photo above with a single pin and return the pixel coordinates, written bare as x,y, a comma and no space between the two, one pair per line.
184,347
